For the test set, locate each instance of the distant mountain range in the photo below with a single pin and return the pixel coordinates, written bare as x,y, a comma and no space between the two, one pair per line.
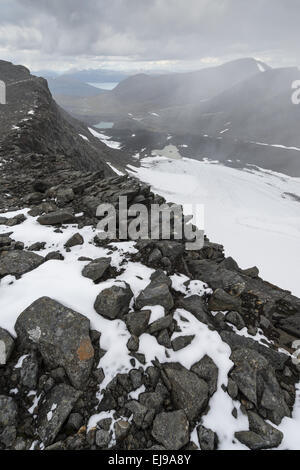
240,112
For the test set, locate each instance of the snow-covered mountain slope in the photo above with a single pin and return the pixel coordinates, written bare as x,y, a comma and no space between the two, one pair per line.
255,213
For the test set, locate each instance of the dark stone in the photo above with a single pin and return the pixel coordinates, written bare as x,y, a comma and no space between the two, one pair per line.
222,301
156,293
197,307
142,416
181,342
54,410
57,218
18,263
261,435
276,359
171,430
235,319
207,370
75,240
160,324
96,269
188,391
208,439
137,322
114,302
29,372
54,255
62,336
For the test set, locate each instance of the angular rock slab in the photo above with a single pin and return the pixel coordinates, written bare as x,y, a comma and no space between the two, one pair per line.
6,346
261,434
96,269
156,293
188,391
18,262
114,302
62,336
54,410
171,430
57,218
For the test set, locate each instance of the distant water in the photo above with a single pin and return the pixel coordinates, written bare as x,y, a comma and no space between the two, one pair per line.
104,125
104,85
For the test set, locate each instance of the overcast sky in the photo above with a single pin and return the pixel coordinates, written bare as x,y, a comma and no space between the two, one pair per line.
148,34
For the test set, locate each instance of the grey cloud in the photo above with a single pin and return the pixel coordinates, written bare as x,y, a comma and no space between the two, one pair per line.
152,30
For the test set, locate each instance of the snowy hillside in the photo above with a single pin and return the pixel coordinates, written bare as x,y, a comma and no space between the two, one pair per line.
252,213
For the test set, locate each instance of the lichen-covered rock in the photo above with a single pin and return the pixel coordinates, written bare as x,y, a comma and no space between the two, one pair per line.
62,336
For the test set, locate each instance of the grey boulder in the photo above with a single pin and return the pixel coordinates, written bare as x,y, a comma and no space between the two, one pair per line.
19,262
156,293
188,391
54,410
62,336
57,218
171,430
261,434
96,269
114,302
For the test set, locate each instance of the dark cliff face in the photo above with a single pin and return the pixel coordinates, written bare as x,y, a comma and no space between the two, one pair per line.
31,121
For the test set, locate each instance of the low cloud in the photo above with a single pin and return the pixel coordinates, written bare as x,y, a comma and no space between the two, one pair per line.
182,33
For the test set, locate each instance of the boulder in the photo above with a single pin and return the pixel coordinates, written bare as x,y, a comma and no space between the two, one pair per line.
114,302
137,322
62,336
197,307
96,269
75,240
208,439
257,381
221,301
188,391
171,430
207,370
156,293
261,434
18,262
142,416
57,218
54,410
182,342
